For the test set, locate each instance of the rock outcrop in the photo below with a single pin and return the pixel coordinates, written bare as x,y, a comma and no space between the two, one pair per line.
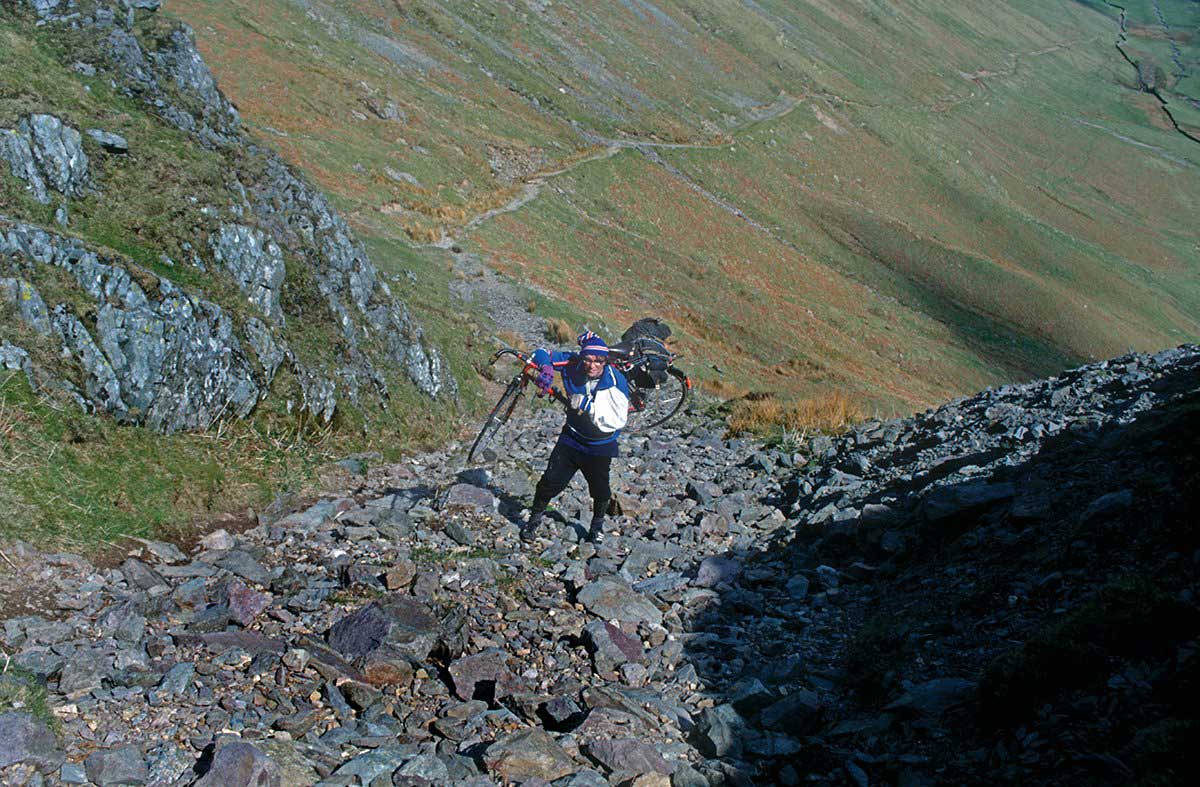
173,358
1000,589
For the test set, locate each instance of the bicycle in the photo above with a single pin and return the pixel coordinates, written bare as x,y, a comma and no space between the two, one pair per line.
657,389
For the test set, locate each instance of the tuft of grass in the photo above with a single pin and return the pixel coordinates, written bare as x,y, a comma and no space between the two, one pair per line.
21,691
724,390
830,412
512,339
559,331
128,480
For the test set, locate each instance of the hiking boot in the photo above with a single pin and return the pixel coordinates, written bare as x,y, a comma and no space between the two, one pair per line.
596,532
529,529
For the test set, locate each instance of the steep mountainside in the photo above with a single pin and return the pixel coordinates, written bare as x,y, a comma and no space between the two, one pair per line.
187,271
1002,590
161,270
904,200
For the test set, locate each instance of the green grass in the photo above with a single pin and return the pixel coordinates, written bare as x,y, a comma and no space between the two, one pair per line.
941,238
79,481
21,691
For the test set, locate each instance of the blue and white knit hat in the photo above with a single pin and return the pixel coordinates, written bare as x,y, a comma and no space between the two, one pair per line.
591,344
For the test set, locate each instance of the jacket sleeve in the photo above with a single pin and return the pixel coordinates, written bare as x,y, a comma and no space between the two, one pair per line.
558,359
609,409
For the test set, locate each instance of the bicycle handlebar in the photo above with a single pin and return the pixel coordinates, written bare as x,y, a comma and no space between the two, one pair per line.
530,366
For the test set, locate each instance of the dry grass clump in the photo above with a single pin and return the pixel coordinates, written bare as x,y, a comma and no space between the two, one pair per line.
559,331
512,339
830,412
723,390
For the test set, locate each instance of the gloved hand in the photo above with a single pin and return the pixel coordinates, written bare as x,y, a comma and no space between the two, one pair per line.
545,378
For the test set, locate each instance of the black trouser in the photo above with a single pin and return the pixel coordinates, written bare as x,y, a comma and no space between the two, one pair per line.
564,462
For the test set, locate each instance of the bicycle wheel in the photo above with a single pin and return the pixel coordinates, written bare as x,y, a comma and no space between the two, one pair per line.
651,407
498,417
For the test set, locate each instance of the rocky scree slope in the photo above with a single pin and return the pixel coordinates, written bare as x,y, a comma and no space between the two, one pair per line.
261,278
1002,588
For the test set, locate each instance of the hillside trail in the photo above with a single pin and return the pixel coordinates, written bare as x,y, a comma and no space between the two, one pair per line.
754,615
533,184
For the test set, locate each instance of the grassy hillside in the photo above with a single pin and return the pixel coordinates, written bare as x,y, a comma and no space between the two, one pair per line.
76,479
907,201
900,201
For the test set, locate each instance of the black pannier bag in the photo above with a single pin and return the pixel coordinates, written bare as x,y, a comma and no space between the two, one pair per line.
646,338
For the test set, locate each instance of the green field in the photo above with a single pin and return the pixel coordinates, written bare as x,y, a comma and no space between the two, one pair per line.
937,199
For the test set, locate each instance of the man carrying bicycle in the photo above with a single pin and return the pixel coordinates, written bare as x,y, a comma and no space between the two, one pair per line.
599,407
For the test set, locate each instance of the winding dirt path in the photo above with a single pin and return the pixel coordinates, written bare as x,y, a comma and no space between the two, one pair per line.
532,187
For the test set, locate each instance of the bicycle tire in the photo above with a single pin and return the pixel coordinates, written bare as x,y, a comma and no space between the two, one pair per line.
659,404
498,417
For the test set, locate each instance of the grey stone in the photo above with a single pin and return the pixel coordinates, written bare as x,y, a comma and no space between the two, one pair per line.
171,362
26,739
610,598
561,710
45,9
459,534
719,731
244,565
218,541
703,492
370,765
84,672
1108,505
46,153
949,504
294,767
468,496
799,713
714,571
123,622
256,264
113,143
30,308
797,587
629,756
687,776
528,754
934,697
213,618
481,672
140,575
239,764
610,647
178,679
245,605
72,773
396,624
749,695
253,642
119,766
425,766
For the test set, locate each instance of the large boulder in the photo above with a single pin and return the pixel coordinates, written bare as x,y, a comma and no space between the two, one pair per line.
384,636
528,755
610,598
26,739
239,764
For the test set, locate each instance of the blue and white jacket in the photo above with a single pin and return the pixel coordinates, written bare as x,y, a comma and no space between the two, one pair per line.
603,404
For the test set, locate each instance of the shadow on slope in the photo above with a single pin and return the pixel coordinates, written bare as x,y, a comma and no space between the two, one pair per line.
1035,624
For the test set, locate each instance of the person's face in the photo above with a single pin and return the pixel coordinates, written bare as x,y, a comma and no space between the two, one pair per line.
593,365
